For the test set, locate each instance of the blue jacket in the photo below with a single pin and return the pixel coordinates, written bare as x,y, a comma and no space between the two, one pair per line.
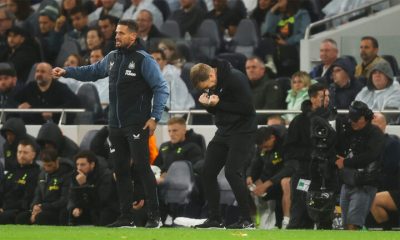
134,78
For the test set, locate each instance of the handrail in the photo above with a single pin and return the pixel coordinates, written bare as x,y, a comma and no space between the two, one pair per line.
274,111
63,112
368,7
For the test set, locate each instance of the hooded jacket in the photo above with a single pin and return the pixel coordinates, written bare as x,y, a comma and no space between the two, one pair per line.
341,97
234,113
386,98
51,133
16,126
52,189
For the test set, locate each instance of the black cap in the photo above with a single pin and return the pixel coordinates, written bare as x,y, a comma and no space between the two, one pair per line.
18,31
358,109
7,69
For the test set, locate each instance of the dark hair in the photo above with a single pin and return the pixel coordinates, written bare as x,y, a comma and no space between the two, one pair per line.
49,155
89,155
98,48
132,25
64,12
78,9
358,109
29,142
78,57
263,134
315,88
375,43
113,20
24,9
161,52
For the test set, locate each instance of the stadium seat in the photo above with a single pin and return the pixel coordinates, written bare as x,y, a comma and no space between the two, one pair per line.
89,98
179,183
207,40
225,191
87,139
68,47
246,38
238,60
393,63
185,75
171,29
163,6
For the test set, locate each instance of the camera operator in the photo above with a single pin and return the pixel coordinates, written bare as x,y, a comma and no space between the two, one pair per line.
361,146
299,148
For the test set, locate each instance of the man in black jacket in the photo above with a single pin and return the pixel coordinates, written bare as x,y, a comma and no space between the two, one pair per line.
13,131
360,157
227,96
138,94
18,187
269,179
51,194
92,197
298,148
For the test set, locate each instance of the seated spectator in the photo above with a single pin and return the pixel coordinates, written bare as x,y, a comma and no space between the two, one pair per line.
382,91
260,12
138,5
94,40
64,21
267,93
269,179
328,53
79,19
23,13
300,82
13,131
345,87
177,148
108,25
173,56
50,38
7,19
18,186
188,17
8,82
50,136
92,198
285,24
147,31
179,96
226,18
45,92
369,48
390,175
108,7
73,60
22,52
51,194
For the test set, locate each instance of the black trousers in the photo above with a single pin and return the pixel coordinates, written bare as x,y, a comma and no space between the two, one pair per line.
130,146
46,217
8,216
231,152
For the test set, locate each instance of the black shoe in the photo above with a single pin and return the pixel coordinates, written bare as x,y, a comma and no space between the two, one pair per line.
212,224
242,224
122,223
153,223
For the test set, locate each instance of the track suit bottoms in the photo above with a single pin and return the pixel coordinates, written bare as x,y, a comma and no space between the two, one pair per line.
129,148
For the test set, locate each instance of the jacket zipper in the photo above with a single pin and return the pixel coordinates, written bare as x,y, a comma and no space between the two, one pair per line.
116,92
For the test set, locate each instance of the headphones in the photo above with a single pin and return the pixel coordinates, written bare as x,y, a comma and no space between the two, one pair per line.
358,109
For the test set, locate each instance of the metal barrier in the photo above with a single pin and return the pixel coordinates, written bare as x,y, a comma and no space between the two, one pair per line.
192,112
63,112
328,21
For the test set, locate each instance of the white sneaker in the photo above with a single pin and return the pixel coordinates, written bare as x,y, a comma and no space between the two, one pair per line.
285,222
169,221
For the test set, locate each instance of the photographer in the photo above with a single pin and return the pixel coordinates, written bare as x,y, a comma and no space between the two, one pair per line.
361,146
299,148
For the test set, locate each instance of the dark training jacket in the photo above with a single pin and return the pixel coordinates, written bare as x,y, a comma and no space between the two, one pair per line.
234,113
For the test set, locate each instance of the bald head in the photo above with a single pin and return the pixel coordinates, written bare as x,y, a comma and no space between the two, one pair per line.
379,120
43,74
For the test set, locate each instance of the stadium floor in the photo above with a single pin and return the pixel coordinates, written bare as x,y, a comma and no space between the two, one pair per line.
11,232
